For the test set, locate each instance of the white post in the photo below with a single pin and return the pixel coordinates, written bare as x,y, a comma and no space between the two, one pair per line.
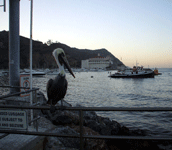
31,9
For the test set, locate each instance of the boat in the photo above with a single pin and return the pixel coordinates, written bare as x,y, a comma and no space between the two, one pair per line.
4,73
53,72
34,72
136,72
156,72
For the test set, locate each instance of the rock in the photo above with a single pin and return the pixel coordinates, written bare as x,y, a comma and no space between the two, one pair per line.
167,145
45,123
53,143
116,128
63,117
62,142
88,115
141,145
103,125
139,132
97,125
107,121
91,144
124,131
59,117
105,131
93,125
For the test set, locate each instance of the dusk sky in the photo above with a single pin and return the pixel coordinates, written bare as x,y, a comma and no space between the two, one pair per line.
132,30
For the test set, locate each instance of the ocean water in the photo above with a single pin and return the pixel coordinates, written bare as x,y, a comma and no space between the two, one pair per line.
102,91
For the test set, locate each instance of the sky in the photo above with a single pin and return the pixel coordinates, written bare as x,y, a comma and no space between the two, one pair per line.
132,30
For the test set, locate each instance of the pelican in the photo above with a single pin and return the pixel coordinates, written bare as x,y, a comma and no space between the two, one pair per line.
56,89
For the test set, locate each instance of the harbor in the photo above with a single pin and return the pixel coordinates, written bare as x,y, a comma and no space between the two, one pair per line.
84,99
102,91
112,94
106,92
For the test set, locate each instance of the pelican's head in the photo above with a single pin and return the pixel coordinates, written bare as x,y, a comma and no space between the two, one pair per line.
61,60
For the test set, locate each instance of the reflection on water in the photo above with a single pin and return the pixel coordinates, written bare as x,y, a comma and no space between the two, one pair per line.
100,90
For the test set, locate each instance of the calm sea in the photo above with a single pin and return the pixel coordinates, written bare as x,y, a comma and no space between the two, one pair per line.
98,90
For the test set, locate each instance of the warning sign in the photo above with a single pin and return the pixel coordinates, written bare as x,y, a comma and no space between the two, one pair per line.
13,119
24,82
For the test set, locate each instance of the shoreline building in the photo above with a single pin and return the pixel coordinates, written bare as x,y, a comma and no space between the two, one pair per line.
96,63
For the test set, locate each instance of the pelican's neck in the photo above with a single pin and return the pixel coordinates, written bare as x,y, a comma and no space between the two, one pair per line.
61,68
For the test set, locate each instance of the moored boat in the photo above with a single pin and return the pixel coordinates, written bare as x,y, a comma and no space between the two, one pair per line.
156,72
136,72
34,72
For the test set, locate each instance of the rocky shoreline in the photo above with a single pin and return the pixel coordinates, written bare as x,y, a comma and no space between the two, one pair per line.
67,122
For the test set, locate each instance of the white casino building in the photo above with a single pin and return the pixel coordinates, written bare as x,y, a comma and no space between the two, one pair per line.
96,63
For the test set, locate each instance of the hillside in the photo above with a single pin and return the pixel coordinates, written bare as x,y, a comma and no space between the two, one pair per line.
42,54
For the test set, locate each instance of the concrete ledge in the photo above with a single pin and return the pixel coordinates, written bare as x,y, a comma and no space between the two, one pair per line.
22,142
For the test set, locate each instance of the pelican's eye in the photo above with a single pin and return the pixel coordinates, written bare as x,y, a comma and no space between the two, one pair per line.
60,57
62,54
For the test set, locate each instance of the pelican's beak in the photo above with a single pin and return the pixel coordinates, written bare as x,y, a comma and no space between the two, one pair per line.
63,59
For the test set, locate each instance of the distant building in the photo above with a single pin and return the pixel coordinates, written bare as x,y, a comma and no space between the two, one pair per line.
96,63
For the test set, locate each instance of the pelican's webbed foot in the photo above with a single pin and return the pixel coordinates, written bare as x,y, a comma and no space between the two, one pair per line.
52,109
62,108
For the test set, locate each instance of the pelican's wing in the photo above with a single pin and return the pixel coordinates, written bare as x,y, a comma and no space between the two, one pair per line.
59,89
48,88
66,84
56,89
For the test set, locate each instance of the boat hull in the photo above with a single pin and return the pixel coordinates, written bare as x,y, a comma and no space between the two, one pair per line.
33,74
148,75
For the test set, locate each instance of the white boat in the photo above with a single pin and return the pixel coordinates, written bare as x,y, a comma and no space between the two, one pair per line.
53,72
34,72
136,72
4,73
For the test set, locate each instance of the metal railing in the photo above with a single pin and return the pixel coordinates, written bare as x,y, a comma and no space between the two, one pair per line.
34,92
80,109
18,93
81,135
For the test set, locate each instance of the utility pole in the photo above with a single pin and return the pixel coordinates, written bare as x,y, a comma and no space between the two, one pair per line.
31,16
14,45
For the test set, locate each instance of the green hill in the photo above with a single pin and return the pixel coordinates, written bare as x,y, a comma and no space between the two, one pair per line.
42,54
